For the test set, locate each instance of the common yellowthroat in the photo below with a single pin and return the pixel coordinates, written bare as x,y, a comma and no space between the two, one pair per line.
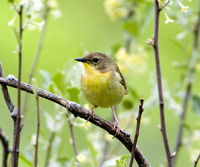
102,82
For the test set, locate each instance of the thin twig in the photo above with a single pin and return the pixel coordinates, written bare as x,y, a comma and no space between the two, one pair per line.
106,144
116,148
49,149
73,139
5,152
165,4
196,32
17,124
189,85
159,81
78,110
141,109
104,153
181,123
36,57
10,105
197,160
8,101
38,130
6,95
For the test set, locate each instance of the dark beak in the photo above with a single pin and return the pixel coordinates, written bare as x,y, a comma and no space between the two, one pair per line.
80,59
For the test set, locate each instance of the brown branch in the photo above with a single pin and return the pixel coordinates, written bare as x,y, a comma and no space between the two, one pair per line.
17,124
78,110
181,123
38,130
49,149
197,160
190,77
106,145
36,56
73,139
104,153
141,109
159,81
7,98
5,152
196,32
10,105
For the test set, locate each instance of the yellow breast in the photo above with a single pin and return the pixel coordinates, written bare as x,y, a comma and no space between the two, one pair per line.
101,89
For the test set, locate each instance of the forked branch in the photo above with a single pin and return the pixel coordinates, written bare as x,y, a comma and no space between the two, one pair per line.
155,45
141,109
78,111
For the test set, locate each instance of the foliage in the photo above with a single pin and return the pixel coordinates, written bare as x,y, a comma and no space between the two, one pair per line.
134,59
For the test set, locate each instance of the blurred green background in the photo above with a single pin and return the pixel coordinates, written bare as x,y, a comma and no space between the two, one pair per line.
84,25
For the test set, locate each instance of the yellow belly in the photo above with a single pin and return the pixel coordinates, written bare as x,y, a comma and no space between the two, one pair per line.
102,89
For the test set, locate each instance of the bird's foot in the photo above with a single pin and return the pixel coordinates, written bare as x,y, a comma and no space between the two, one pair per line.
91,114
117,129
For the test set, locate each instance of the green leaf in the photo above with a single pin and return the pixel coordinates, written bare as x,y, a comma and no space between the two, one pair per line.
64,159
71,163
92,152
23,158
124,157
196,104
128,104
10,1
59,80
46,78
133,92
73,94
180,65
131,27
180,46
53,89
145,21
76,75
121,163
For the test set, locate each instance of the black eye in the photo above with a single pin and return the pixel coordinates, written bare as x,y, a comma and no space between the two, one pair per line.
95,60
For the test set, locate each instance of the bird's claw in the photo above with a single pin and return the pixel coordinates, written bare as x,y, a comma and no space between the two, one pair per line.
91,114
117,131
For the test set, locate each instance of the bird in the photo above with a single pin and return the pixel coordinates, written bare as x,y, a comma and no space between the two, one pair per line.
102,83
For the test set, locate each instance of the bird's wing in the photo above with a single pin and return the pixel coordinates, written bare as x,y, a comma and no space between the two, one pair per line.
122,81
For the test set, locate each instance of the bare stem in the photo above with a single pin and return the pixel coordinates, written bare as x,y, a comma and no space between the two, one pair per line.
104,153
197,160
159,81
5,152
73,139
165,4
49,149
9,102
141,109
181,123
36,57
190,77
106,144
17,124
78,110
38,130
196,32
